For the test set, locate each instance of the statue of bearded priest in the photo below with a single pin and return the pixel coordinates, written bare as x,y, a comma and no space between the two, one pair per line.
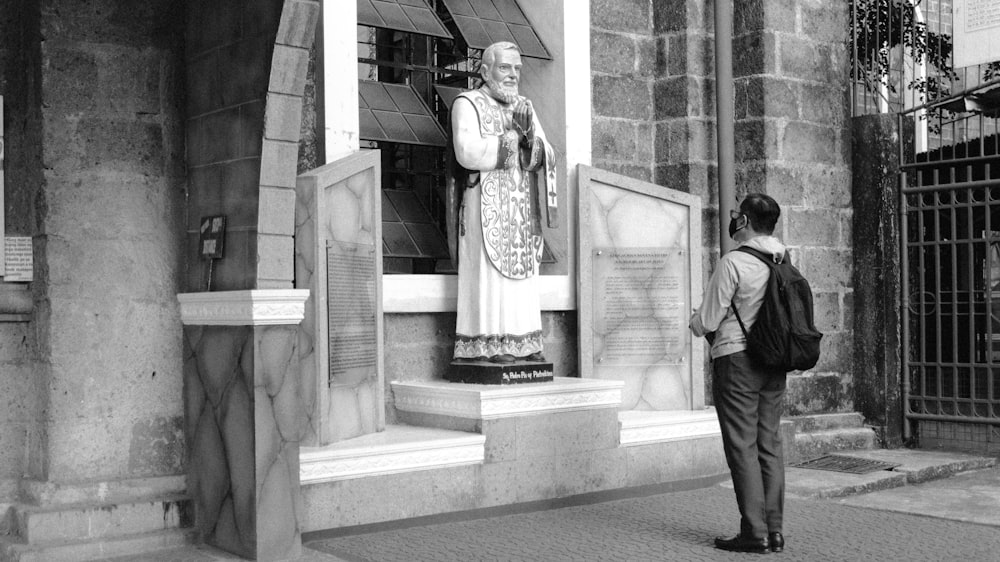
504,178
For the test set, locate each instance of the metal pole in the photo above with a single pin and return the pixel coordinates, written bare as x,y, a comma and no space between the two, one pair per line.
724,116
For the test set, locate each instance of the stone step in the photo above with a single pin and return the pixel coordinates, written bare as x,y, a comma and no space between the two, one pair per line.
926,465
37,492
813,392
400,448
819,422
637,427
97,549
76,522
814,444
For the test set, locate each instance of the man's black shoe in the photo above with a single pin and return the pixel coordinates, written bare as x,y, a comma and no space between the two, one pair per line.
740,543
776,542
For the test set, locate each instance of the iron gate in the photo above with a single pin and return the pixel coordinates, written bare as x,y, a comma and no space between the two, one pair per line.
950,262
902,63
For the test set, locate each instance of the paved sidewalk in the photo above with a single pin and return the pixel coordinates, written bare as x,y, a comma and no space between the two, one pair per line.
908,514
678,526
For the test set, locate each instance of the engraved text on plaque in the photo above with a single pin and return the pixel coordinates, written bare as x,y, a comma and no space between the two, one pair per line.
351,301
639,312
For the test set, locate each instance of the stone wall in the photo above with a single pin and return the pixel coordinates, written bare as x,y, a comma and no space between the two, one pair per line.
653,114
653,109
228,53
793,143
625,57
654,119
23,392
108,221
877,259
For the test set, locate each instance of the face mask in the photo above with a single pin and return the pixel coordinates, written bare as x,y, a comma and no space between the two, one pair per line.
737,224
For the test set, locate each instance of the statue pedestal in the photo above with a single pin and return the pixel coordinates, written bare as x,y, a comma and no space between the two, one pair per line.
485,372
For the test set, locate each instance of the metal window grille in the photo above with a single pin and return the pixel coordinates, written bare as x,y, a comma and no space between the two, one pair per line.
415,234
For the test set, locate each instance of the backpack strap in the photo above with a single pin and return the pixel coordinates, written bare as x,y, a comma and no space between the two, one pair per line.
740,320
768,259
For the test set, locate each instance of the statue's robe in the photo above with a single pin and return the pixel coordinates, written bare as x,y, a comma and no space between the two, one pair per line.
499,234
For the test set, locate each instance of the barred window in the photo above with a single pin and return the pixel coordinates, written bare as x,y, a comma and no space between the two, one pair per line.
414,57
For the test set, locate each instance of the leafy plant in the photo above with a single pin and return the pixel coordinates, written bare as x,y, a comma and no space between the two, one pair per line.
878,26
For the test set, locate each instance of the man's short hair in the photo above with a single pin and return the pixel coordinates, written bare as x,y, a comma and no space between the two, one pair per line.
762,211
490,53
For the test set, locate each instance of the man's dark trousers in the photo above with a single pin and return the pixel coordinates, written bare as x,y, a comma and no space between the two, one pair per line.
748,401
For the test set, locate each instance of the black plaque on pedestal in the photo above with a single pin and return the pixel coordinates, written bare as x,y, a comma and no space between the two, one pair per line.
485,372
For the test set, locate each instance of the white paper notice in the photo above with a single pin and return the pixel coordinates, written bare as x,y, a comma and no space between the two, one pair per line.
18,259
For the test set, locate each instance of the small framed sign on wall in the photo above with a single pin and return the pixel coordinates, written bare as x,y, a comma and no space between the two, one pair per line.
213,233
210,243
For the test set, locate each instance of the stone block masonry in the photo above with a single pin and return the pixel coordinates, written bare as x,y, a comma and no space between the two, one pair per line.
625,57
793,143
791,115
111,210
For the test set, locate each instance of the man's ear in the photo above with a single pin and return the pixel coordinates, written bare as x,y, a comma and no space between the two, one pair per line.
742,222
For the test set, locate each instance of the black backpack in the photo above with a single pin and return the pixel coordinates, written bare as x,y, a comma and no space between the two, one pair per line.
784,336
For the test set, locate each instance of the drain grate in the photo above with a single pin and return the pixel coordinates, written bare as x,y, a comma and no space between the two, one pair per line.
839,463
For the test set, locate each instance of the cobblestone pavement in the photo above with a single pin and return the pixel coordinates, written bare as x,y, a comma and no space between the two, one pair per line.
675,526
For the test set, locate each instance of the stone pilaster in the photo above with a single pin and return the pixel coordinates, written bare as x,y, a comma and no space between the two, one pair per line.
877,262
793,143
245,419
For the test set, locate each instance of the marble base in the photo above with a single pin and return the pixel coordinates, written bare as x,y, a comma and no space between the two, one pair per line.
644,427
483,401
399,448
485,372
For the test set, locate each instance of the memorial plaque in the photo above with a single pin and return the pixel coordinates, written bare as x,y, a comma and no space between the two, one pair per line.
351,300
640,277
639,306
338,257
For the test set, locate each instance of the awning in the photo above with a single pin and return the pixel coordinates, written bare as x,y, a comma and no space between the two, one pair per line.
484,22
395,112
408,231
481,22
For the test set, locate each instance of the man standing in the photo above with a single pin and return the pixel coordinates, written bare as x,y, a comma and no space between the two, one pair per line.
508,176
748,398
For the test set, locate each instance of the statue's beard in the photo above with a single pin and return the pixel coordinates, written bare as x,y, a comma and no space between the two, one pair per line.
505,94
